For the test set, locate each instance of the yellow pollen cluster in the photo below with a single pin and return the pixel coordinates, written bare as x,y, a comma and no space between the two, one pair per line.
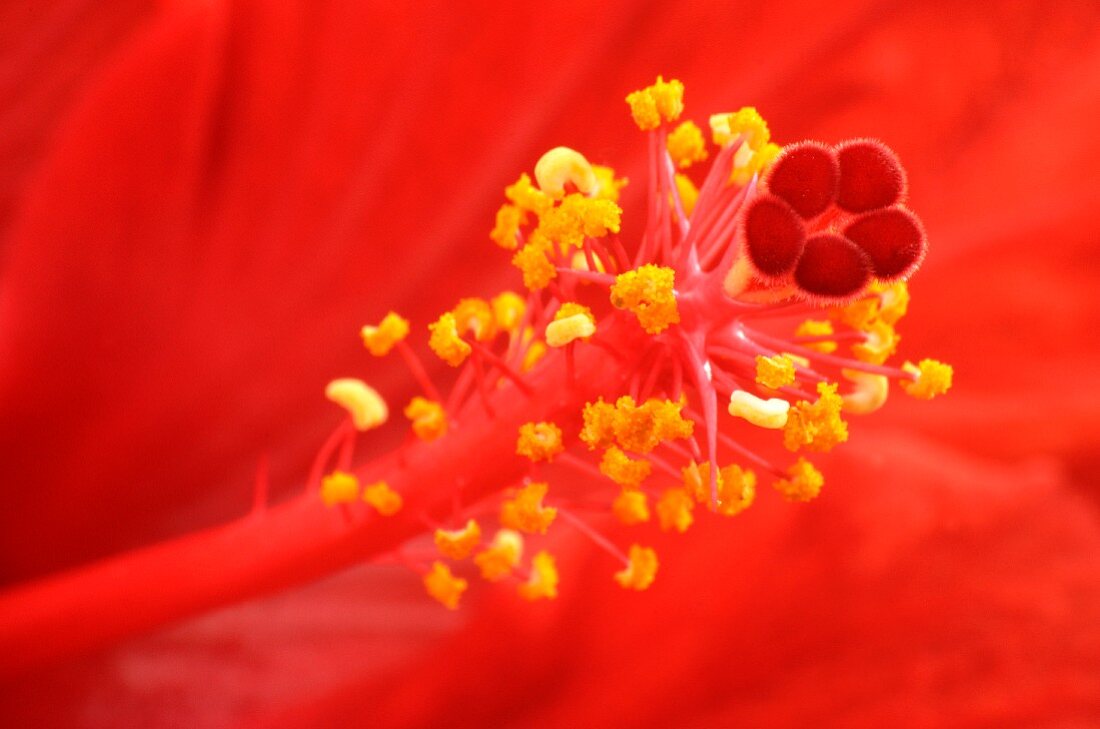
539,441
508,310
638,428
755,153
686,145
563,166
458,543
875,315
365,406
726,127
543,582
382,338
379,495
444,586
816,426
608,186
525,512
446,342
736,487
803,482
893,300
933,378
631,507
501,557
339,488
528,198
882,341
578,217
639,574
674,509
571,322
661,102
624,470
428,419
505,232
774,372
533,261
816,328
648,291
475,316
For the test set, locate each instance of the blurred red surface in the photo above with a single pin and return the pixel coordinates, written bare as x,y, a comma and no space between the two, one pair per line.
202,202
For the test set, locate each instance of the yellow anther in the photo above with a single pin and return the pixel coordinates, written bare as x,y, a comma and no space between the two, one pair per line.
561,332
816,328
770,413
639,574
384,499
501,556
599,424
578,217
816,426
525,511
933,378
641,428
747,162
458,543
803,482
663,101
505,232
508,310
475,316
339,488
736,486
534,261
882,341
445,342
579,262
527,197
649,293
774,372
539,441
689,193
444,586
429,421
363,403
725,128
543,582
869,393
736,490
686,145
893,300
535,352
624,470
607,185
859,314
697,481
563,166
382,338
631,507
674,510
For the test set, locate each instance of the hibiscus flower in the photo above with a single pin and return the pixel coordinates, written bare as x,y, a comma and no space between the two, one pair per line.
221,194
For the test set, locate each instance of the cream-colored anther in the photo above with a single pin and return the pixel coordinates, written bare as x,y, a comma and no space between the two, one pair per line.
563,331
561,165
770,413
869,394
363,403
